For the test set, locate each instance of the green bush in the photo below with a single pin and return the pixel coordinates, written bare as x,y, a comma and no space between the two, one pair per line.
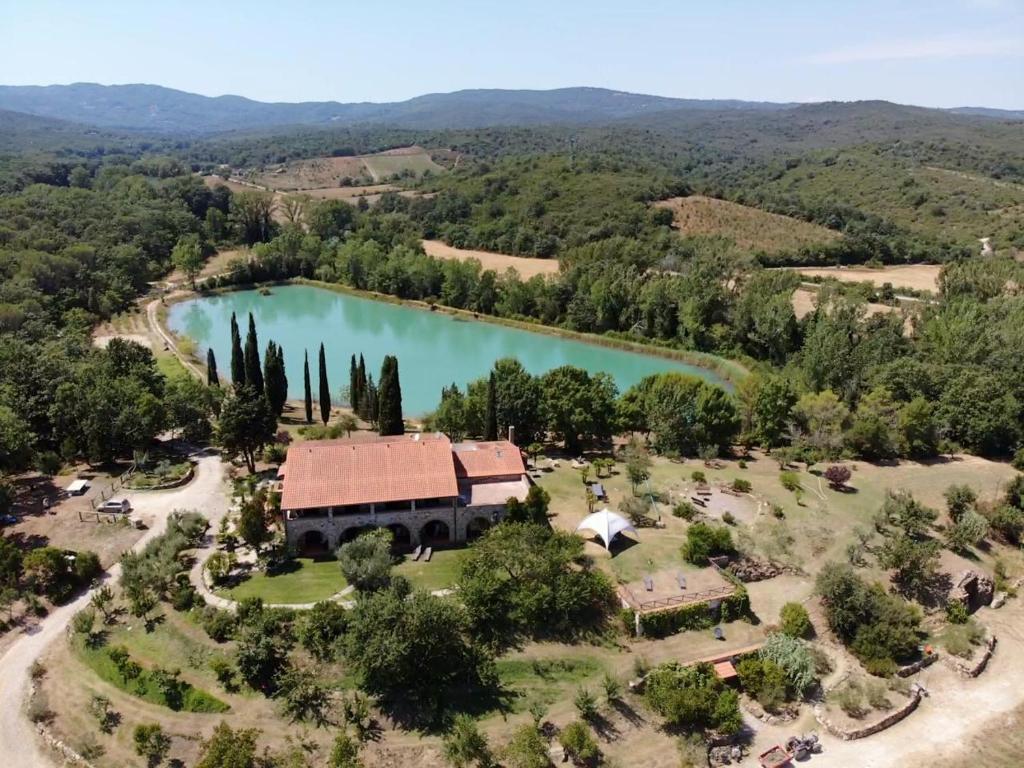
740,485
218,624
698,476
693,697
578,742
685,510
794,620
956,612
790,480
704,541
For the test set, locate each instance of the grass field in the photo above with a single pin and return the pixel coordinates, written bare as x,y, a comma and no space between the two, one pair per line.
499,262
750,228
439,573
314,580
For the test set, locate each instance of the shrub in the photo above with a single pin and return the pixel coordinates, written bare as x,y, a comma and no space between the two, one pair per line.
764,680
1018,459
698,476
728,518
838,475
704,541
742,464
578,743
959,499
961,639
585,703
850,699
465,745
741,485
790,480
876,692
685,510
151,742
218,624
794,620
968,531
777,512
693,697
795,659
366,562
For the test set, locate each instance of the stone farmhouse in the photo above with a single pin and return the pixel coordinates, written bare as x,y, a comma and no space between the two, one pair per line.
422,487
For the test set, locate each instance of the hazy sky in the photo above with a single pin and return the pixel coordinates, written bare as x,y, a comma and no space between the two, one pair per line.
929,52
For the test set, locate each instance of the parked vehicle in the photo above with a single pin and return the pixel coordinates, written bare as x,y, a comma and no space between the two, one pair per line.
115,505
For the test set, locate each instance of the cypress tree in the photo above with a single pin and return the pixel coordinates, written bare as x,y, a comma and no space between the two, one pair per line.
371,402
309,390
353,385
274,377
325,389
253,374
389,421
491,417
237,359
364,410
212,379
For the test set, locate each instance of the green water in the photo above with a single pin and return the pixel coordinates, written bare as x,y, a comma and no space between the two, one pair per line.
433,349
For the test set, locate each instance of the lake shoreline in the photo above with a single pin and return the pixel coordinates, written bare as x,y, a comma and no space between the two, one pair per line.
732,372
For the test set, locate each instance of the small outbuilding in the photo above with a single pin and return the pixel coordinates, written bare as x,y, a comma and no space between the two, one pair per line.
607,525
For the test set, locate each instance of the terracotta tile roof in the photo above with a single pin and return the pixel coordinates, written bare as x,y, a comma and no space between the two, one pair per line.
329,473
499,458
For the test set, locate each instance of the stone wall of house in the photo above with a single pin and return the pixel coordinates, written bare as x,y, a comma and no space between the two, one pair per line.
333,528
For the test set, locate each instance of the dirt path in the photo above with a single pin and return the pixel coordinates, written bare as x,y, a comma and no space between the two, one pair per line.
18,743
159,332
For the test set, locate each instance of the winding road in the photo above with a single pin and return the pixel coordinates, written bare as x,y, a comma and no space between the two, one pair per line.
19,746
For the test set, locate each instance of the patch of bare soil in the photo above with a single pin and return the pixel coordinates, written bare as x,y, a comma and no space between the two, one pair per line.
526,267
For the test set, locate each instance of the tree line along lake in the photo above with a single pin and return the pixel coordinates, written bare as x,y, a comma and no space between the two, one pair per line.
434,349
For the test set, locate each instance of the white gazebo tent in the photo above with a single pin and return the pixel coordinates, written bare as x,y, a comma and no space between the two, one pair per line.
606,524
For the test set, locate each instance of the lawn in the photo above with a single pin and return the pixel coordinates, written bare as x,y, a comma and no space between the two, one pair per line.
439,573
311,581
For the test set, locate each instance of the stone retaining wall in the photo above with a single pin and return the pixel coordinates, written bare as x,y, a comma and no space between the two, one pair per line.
917,666
972,668
870,729
183,480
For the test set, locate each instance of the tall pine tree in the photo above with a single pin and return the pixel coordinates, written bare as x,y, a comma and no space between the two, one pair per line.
309,390
237,357
491,417
212,379
325,389
389,420
253,374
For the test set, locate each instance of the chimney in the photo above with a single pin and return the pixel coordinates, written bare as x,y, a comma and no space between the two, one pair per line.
512,434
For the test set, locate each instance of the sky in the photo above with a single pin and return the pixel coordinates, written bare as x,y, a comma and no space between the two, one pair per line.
940,53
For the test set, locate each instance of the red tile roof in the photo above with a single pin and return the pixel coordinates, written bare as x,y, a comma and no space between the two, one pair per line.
499,458
330,473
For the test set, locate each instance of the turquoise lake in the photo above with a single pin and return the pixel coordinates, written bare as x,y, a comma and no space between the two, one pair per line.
434,349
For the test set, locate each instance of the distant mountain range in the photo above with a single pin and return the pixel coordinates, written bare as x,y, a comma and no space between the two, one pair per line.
153,108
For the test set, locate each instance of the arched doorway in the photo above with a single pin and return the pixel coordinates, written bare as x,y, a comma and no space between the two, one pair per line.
477,527
350,534
401,539
313,544
435,532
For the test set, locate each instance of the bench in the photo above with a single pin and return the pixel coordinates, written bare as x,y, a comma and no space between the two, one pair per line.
648,583
681,580
429,553
417,552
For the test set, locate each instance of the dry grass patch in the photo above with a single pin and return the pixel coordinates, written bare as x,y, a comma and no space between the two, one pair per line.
918,277
750,228
499,262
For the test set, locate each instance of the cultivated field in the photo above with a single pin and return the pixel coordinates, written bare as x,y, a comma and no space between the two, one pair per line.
526,267
358,170
750,228
918,277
